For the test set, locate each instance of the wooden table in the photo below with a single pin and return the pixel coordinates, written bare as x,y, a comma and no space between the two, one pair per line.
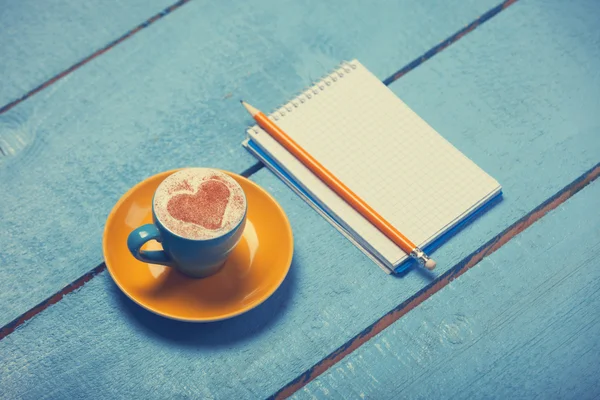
95,97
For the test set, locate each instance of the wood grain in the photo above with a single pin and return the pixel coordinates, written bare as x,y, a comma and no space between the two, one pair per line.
523,323
39,40
536,141
168,97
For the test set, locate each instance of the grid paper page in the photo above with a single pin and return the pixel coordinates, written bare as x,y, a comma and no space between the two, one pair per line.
384,152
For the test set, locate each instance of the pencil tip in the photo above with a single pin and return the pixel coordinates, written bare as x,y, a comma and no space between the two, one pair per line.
253,111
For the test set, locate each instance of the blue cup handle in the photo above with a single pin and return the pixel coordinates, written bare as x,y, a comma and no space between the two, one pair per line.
141,235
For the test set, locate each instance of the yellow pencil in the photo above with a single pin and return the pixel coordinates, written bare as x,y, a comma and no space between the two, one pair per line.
342,190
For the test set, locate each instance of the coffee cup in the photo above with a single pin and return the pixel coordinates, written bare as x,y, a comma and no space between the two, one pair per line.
198,216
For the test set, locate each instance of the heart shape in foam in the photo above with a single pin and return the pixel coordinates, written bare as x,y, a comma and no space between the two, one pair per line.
205,208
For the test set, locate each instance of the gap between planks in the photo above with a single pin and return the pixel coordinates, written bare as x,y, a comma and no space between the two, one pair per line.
95,54
450,40
413,64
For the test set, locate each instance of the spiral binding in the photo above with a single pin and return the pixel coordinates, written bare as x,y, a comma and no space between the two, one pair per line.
314,89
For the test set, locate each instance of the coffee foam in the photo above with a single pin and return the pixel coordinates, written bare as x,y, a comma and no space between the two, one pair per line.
187,183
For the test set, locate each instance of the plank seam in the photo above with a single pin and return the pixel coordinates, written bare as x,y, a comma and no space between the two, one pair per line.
458,269
449,41
248,172
89,58
55,298
410,66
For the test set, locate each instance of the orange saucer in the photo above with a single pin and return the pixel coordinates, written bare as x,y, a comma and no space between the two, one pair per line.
254,270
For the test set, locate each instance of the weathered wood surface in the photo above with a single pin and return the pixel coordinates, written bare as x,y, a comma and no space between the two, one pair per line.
535,142
168,97
522,324
39,40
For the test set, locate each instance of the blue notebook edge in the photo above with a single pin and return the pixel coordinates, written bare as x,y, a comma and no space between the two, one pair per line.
306,196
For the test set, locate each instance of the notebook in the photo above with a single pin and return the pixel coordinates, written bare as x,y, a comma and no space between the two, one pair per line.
384,152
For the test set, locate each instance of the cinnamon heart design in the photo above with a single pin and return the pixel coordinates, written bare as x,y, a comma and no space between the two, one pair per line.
205,208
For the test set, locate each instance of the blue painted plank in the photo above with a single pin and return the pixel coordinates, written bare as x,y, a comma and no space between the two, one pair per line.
166,98
333,291
38,40
521,324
